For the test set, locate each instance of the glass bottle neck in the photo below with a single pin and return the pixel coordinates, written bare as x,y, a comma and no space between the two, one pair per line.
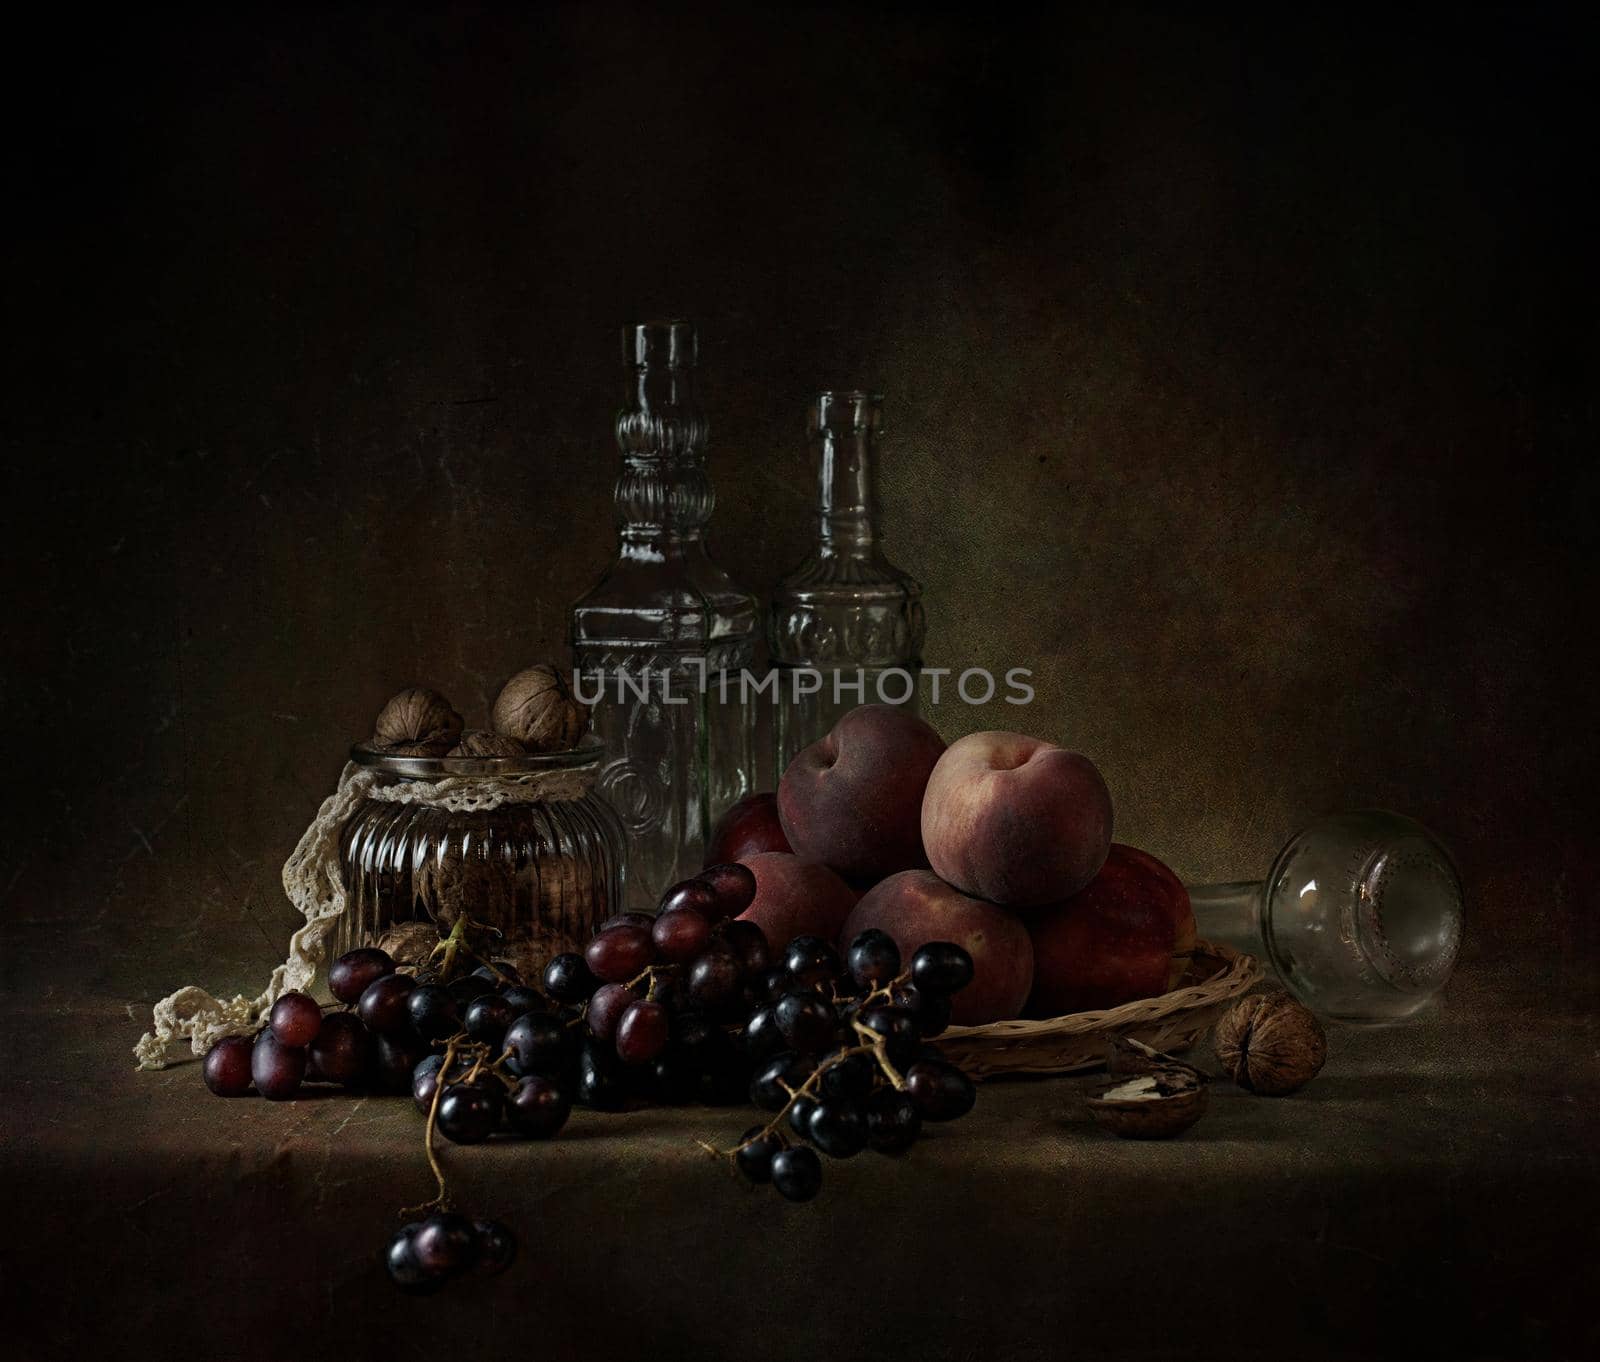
844,428
663,495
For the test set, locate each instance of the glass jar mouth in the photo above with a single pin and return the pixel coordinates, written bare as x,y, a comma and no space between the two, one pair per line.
584,756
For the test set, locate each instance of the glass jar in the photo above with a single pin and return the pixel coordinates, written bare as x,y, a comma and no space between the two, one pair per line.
522,845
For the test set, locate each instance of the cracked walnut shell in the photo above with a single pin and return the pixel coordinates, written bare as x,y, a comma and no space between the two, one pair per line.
417,722
1270,1044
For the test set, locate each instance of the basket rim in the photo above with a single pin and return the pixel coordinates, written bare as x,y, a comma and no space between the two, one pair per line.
1240,972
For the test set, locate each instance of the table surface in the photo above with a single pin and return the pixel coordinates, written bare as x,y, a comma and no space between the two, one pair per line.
1431,1193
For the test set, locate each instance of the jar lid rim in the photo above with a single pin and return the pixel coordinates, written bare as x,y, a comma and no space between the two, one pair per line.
585,755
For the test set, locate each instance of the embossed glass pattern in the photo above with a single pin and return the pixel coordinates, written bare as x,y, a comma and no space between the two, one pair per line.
846,611
663,626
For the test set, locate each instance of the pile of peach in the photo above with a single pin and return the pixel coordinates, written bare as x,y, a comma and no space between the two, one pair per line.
1000,843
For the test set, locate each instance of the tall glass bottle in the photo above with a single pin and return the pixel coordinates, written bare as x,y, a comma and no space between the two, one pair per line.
664,634
846,614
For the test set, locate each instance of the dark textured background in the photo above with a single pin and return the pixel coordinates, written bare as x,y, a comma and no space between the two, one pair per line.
1240,370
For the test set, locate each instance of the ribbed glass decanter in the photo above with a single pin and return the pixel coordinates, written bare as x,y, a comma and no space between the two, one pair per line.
664,634
846,626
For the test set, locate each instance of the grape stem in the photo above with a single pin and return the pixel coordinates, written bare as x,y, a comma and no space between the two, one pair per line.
440,1200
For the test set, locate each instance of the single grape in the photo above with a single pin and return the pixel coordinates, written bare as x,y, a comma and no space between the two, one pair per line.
641,1032
850,1078
805,1021
501,973
342,1052
797,1173
800,1113
606,1008
754,1155
350,975
695,895
680,934
600,1082
487,1018
567,978
295,1020
395,1061
774,982
734,886
941,1091
405,1268
838,1128
497,1247
749,943
539,1044
893,1121
620,953
941,968
470,986
537,1108
714,978
874,959
812,961
769,1088
446,1244
278,1069
468,1113
931,1010
382,1005
522,1000
227,1067
632,918
899,1030
425,1080
435,1014
761,1036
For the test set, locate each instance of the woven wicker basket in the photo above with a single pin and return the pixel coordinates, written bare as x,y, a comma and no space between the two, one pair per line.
1216,976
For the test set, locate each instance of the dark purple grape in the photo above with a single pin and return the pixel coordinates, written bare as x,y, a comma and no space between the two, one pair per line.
487,1018
632,918
797,1173
497,1247
850,1078
695,895
434,1012
539,1044
812,961
295,1020
537,1108
754,1155
277,1069
805,1022
470,986
714,978
941,968
523,1000
749,943
893,1122
838,1128
405,1268
445,1244
800,1111
567,978
931,1010
600,1080
941,1091
396,1060
501,973
769,1089
425,1080
761,1036
898,1029
342,1052
874,959
680,934
355,971
774,982
468,1113
641,1033
606,1008
620,953
734,886
382,1005
227,1067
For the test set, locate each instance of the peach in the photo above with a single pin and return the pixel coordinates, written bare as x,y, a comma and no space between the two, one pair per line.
1121,938
853,799
746,827
916,906
796,897
1015,819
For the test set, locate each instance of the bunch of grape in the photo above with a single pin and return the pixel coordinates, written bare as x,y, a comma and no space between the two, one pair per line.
428,1254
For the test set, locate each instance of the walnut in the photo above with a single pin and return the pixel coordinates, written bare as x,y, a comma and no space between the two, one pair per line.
537,707
416,723
1163,1102
476,742
1270,1044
